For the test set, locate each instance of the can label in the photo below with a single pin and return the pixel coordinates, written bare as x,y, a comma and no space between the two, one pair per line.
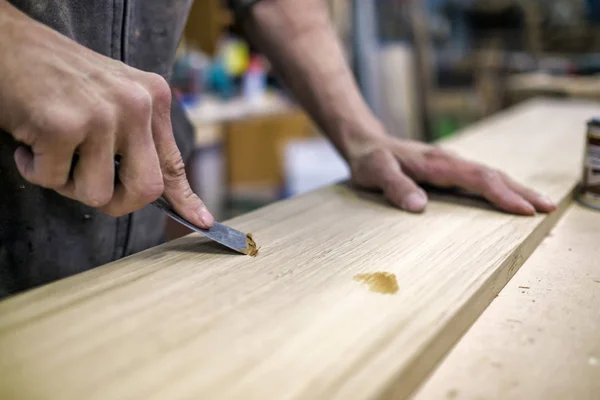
590,186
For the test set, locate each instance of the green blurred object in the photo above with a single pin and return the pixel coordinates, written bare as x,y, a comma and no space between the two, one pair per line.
445,126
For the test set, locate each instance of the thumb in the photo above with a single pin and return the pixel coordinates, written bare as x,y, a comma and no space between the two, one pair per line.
384,171
181,196
403,192
177,189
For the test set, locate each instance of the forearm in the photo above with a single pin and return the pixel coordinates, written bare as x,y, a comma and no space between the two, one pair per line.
299,40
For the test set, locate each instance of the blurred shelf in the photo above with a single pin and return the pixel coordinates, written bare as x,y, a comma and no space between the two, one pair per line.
521,87
211,109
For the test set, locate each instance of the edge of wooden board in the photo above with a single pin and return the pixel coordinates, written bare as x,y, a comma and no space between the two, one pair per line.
539,338
471,310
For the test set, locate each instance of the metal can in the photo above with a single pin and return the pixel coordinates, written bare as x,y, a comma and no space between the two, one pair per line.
589,190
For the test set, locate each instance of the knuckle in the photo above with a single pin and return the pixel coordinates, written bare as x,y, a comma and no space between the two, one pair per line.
435,153
434,166
96,198
140,102
503,176
104,118
113,212
486,177
428,169
53,181
27,135
66,127
153,190
47,176
42,181
188,194
174,167
160,89
378,155
373,162
150,190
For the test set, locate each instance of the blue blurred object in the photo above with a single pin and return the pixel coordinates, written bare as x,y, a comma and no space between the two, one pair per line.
189,75
219,80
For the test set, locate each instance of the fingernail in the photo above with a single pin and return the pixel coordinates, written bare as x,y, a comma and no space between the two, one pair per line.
528,208
206,217
547,202
415,202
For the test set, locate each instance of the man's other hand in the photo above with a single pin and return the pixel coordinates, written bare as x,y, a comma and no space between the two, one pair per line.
396,166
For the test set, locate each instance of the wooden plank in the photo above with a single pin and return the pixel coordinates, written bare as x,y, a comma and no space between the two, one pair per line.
540,338
187,320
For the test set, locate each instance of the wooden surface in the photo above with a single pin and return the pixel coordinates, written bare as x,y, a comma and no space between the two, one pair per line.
188,320
540,339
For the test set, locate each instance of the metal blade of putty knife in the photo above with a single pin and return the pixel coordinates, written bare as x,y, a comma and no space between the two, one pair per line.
220,233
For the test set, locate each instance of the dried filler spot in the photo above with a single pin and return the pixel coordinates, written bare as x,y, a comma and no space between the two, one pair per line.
380,282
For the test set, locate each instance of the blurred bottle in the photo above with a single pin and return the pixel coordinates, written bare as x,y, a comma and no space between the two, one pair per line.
255,81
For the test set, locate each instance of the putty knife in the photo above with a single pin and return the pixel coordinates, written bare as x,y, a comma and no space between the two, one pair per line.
219,233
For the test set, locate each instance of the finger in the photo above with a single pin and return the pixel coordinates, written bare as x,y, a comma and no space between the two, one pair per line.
177,189
490,184
46,168
402,191
93,176
445,170
540,202
140,179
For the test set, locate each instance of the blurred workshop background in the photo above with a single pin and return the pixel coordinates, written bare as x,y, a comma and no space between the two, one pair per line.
426,68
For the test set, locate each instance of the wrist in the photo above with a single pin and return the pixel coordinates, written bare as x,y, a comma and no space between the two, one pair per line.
357,136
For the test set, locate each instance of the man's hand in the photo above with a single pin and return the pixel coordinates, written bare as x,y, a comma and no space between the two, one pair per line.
395,166
301,44
58,97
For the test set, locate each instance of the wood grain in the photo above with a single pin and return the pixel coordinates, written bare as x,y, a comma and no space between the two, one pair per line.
540,338
188,320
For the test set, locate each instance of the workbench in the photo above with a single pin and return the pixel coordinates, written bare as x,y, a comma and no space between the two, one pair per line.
348,298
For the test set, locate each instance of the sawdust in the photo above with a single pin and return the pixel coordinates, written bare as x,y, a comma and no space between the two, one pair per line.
380,282
251,248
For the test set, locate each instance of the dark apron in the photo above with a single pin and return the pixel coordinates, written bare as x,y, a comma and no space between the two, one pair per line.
44,236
